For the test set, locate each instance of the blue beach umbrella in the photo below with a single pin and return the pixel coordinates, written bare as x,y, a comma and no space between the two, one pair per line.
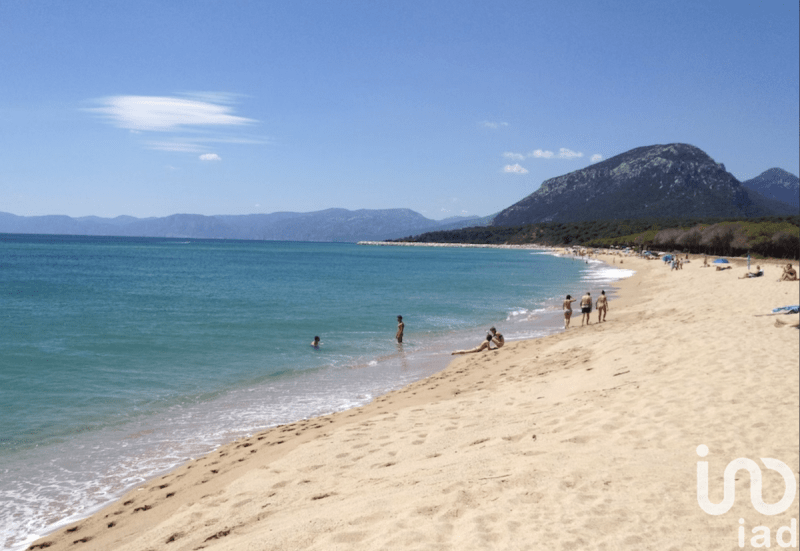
666,257
720,261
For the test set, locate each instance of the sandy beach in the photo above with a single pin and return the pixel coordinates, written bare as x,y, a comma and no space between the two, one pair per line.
587,439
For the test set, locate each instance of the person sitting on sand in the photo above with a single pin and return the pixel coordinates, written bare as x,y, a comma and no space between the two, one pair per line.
315,343
789,274
602,307
567,307
485,345
497,338
758,273
586,308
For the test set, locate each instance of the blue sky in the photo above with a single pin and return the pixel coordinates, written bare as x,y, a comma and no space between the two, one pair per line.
148,108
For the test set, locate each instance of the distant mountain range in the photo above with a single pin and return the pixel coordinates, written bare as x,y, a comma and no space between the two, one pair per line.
777,184
338,225
658,181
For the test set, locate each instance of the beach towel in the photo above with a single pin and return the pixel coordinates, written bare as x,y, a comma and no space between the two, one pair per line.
787,309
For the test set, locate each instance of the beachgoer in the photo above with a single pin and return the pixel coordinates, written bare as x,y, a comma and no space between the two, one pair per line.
758,273
400,328
705,262
789,274
602,307
316,342
586,308
497,338
485,345
567,307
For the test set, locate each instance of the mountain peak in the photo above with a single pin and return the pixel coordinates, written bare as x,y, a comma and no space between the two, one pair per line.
658,181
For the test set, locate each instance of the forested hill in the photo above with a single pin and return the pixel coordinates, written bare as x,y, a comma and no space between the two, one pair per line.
665,181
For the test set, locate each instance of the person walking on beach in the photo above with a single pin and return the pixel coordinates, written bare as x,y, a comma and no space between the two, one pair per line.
567,307
586,308
602,307
497,338
400,327
485,345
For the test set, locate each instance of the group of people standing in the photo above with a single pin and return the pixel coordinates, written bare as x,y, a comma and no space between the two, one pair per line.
586,308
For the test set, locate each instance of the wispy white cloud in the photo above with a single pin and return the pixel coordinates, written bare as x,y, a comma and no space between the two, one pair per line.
162,113
493,125
596,158
565,153
515,169
186,123
210,157
176,145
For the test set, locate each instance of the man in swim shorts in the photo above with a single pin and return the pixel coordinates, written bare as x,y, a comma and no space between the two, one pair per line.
400,328
586,308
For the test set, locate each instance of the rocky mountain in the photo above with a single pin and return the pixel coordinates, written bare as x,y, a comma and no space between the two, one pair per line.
777,184
338,225
658,181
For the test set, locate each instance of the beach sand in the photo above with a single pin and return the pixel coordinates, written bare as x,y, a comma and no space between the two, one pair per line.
582,440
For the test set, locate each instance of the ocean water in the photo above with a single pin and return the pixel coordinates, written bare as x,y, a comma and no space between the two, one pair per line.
121,358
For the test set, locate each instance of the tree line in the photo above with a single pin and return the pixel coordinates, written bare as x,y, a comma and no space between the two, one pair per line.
772,236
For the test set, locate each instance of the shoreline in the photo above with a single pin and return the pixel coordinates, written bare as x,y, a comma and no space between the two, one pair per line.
531,426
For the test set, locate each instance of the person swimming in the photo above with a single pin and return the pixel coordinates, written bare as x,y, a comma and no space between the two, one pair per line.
315,343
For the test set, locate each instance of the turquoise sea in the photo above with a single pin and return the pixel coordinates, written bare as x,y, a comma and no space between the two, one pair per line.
121,358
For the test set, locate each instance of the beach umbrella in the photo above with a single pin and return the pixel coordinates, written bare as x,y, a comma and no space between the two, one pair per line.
666,257
720,261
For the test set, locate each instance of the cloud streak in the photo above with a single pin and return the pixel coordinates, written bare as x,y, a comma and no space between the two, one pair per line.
493,125
166,114
210,157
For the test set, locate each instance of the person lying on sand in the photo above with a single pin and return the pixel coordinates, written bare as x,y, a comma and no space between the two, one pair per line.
758,273
485,345
789,274
720,268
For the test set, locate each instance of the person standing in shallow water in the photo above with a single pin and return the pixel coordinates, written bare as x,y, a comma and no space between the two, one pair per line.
602,307
567,307
400,328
